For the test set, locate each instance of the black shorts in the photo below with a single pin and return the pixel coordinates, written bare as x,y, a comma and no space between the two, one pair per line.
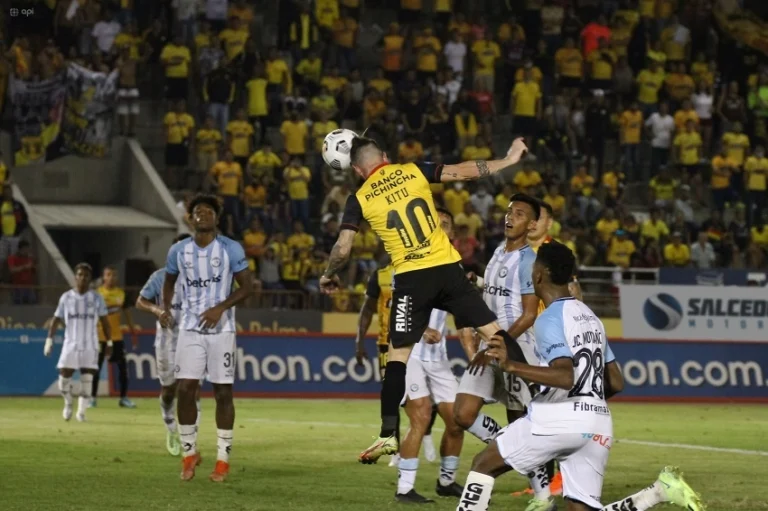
118,351
176,155
569,82
445,287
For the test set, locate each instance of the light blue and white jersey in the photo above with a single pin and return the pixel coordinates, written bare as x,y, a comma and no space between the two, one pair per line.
81,313
206,276
433,352
153,291
509,277
569,329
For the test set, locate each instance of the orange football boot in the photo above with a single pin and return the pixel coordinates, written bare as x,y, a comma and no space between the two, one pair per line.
188,464
556,484
522,493
220,472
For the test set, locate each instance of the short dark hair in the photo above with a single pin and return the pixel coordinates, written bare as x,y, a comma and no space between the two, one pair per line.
358,144
533,202
208,200
558,260
443,211
109,267
181,237
85,267
545,205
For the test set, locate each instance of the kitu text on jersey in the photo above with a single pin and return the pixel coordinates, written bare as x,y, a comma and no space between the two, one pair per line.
388,183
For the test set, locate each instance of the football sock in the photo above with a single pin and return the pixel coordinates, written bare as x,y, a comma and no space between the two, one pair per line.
406,471
224,444
65,387
169,414
188,435
477,492
485,428
122,372
540,483
199,411
431,421
86,381
448,467
392,391
640,501
551,469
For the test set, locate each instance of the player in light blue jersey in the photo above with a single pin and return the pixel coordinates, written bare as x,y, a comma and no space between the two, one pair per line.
150,300
80,310
569,419
207,266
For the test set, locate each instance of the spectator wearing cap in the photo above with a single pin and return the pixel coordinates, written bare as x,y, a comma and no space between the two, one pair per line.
620,249
23,270
702,253
676,253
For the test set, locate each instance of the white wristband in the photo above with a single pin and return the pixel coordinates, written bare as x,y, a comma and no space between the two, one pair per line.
109,344
49,340
480,282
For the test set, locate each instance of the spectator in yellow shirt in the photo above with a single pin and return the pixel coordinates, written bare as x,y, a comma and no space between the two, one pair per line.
607,225
177,60
677,253
345,36
679,84
723,168
264,164
736,144
663,189
555,199
239,137
427,48
479,150
295,136
631,125
470,219
755,175
486,54
654,228
300,239
688,148
179,130
759,235
257,102
582,186
620,249
649,82
254,239
685,114
528,180
255,198
234,39
326,13
410,150
297,178
525,105
676,40
569,66
364,248
324,103
208,145
456,196
227,178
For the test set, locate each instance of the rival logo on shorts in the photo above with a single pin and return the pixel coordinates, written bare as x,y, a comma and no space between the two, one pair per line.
403,314
204,282
472,494
497,291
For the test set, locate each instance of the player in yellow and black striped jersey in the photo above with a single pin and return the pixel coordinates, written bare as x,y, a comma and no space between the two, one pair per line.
396,200
378,300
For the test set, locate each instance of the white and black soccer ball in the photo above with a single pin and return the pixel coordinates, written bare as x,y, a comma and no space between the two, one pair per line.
336,148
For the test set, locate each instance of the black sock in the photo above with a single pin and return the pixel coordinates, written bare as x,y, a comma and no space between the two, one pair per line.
514,351
122,370
95,384
392,391
551,469
431,421
397,430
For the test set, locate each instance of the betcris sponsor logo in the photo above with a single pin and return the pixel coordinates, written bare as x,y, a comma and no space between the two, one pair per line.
308,365
203,282
497,290
695,312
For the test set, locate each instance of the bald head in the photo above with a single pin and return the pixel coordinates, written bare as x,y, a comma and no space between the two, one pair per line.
365,155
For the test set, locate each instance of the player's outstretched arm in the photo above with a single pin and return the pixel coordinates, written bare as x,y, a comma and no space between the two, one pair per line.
469,170
338,259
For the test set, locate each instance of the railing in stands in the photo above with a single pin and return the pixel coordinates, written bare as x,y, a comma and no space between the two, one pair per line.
598,285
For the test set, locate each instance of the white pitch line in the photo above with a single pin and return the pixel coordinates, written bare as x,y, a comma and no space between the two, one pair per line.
690,447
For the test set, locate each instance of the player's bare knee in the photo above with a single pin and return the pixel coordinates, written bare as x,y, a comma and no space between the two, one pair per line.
187,388
399,354
464,415
419,413
66,373
222,393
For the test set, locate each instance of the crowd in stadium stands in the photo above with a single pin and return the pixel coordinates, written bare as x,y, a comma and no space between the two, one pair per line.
646,124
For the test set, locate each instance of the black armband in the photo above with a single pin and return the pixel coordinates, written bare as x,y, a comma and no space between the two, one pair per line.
514,351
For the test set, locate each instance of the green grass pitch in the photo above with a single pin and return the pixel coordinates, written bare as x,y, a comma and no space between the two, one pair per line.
301,455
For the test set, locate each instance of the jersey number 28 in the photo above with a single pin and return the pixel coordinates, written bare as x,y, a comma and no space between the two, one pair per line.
395,221
589,382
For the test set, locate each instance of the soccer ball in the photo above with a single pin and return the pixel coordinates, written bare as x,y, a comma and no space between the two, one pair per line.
336,148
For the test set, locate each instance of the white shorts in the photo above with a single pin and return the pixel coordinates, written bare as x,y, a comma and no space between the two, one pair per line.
165,358
430,379
127,101
74,356
197,353
582,458
494,385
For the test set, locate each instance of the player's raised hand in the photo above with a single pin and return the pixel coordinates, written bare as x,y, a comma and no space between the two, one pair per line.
478,362
210,318
497,349
329,285
517,150
432,336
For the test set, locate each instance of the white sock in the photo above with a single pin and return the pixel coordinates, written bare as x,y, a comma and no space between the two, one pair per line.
199,411
406,474
477,492
484,428
169,414
86,381
540,483
188,436
65,387
448,467
224,444
640,501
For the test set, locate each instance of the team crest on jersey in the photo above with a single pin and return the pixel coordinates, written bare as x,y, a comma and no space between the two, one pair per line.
503,272
414,388
215,262
188,264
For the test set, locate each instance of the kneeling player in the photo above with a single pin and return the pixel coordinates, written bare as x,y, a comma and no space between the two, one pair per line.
165,351
580,372
79,310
